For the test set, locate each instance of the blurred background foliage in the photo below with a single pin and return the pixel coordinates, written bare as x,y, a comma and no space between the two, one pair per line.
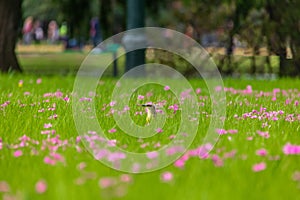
261,29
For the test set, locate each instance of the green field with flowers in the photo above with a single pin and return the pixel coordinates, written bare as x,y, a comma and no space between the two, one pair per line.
42,156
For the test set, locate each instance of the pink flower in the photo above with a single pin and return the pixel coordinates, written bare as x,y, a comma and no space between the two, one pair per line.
24,138
78,139
171,137
261,152
218,162
174,108
230,154
179,163
185,94
136,167
6,103
166,88
126,178
49,125
54,116
144,145
115,156
66,98
111,143
112,103
276,90
152,154
4,187
174,149
198,91
248,89
106,182
49,161
101,153
140,97
221,131
58,94
157,145
296,176
218,88
250,138
232,131
263,134
259,167
126,108
41,186
290,149
113,130
166,176
38,81
18,153
159,130
57,157
81,166
149,94
138,113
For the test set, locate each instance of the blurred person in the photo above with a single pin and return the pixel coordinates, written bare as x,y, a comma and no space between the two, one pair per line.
53,32
27,30
189,32
95,31
38,32
63,33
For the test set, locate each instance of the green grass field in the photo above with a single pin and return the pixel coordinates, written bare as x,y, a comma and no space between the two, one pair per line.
68,62
251,160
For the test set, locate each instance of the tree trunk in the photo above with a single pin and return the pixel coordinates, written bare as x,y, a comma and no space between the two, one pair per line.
295,48
286,66
268,57
10,16
229,53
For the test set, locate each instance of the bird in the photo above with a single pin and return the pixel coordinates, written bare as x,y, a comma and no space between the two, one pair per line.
151,112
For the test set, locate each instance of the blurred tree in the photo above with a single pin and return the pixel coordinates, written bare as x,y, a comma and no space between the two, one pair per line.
43,9
77,15
284,33
10,15
112,16
253,34
106,16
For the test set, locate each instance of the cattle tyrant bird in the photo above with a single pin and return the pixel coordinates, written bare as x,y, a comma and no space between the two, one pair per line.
151,112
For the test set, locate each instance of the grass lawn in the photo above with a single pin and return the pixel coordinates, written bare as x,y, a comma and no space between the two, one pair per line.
257,155
63,63
52,60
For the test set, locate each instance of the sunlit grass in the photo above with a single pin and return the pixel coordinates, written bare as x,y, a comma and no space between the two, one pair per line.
33,105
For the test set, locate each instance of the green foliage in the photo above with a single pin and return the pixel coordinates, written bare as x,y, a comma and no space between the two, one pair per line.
42,9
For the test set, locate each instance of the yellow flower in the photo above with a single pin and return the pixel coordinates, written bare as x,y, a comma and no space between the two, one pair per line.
20,84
